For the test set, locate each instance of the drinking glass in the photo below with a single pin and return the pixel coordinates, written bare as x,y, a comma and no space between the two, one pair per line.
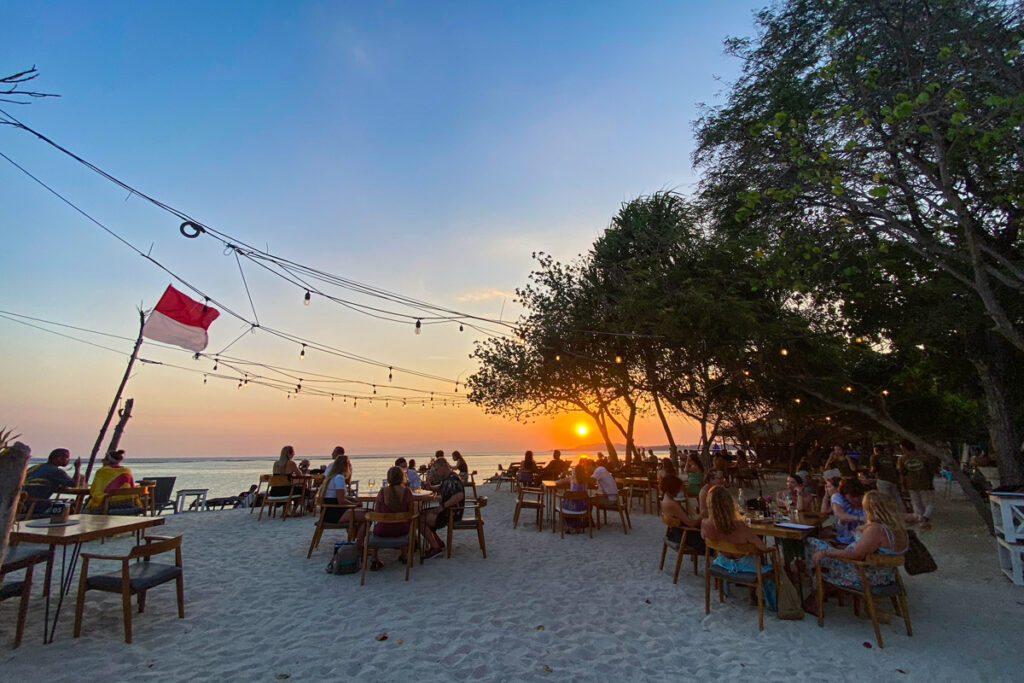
372,482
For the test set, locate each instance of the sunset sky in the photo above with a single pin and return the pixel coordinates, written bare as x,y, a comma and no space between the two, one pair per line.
424,148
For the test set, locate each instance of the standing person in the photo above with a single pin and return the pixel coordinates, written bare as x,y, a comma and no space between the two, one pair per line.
452,496
107,480
918,472
460,463
43,480
887,477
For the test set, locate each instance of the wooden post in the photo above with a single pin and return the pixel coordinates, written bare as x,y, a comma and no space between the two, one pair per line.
117,397
124,415
13,462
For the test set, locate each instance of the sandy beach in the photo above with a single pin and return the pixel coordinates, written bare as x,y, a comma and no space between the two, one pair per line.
538,608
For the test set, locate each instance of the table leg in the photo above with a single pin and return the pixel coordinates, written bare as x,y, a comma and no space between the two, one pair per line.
67,573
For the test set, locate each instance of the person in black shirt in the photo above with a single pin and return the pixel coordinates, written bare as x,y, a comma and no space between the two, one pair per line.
43,480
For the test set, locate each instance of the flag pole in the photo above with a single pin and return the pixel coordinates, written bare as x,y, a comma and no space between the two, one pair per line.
117,398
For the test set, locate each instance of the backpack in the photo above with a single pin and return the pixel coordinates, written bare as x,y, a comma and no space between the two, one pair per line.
345,559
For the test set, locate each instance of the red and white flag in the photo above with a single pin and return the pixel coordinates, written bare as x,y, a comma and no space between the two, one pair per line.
180,320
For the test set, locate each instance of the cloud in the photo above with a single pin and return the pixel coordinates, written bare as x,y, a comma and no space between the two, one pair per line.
484,295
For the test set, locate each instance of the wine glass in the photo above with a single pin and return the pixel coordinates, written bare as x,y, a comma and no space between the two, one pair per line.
372,482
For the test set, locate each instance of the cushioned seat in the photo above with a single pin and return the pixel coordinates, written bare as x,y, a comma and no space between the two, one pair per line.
738,577
11,589
141,576
389,541
21,555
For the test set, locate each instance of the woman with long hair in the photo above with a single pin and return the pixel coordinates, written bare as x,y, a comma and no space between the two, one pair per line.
285,463
694,471
847,506
576,480
883,533
395,497
670,507
725,524
334,491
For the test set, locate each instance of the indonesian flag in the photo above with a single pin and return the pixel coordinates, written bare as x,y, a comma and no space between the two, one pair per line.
180,320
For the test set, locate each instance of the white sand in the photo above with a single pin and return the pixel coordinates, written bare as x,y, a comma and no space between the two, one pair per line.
256,608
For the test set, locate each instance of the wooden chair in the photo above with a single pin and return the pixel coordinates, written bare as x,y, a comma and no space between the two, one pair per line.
642,492
18,559
754,580
896,592
680,547
135,578
616,505
262,486
139,493
350,525
523,479
469,482
531,499
408,541
582,515
26,507
469,523
281,499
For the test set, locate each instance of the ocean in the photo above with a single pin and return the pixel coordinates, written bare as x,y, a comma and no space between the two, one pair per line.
230,476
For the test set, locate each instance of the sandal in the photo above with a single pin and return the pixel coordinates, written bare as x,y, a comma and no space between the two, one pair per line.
433,552
376,566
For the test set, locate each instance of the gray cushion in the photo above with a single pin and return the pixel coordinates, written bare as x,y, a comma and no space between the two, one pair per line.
141,576
881,591
388,541
740,577
11,589
467,523
21,556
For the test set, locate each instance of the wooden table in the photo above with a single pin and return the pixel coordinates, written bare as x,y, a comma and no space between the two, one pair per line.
421,496
88,528
650,488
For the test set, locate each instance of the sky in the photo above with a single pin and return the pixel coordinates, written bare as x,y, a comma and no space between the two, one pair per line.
424,148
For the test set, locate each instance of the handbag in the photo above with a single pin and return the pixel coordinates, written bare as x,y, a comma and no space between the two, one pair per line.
918,560
790,605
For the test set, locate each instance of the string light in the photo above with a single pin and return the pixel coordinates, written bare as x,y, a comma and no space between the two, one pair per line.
204,379
885,392
418,325
239,385
796,400
558,357
302,353
849,389
216,360
374,389
784,352
389,374
746,373
460,327
306,299
618,359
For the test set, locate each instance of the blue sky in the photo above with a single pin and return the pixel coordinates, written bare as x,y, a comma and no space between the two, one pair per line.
428,148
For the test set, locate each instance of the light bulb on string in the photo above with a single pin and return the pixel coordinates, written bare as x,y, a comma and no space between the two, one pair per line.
305,300
558,357
386,404
784,352
849,389
215,361
239,385
796,401
204,379
389,374
302,353
375,388
298,387
456,387
618,359
419,325
460,327
885,392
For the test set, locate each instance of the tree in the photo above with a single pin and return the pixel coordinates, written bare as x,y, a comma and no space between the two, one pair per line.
887,134
11,88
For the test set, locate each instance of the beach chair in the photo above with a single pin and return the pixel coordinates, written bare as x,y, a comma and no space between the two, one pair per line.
162,494
321,524
287,494
471,520
114,503
896,592
530,499
407,541
582,515
18,559
754,580
680,547
134,578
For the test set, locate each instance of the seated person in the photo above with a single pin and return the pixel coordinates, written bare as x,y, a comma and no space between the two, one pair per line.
715,478
666,466
608,489
452,495
670,507
460,463
847,508
556,469
803,469
575,482
831,488
334,491
43,480
107,480
411,476
395,497
796,494
694,470
725,524
883,533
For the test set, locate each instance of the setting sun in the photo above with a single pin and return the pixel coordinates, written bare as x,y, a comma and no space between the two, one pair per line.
581,430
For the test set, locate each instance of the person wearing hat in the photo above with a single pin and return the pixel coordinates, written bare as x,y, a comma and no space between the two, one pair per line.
41,481
108,479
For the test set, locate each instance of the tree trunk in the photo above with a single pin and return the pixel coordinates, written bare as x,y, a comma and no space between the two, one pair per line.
1001,429
13,462
668,432
124,415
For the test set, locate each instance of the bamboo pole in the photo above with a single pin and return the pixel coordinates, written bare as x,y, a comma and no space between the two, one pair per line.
117,398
